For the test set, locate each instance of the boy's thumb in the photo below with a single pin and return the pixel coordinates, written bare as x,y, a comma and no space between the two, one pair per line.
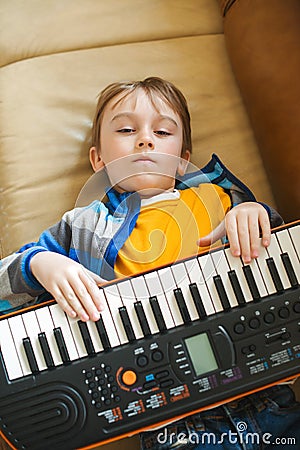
213,236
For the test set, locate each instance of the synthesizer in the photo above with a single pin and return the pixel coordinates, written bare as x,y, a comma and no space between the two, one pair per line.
170,342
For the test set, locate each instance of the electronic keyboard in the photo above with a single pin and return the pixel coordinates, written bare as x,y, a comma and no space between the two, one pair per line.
170,342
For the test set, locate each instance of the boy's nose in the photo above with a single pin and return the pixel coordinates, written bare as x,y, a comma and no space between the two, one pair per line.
145,143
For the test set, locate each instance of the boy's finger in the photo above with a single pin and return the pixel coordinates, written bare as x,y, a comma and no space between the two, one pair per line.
95,295
265,228
232,235
238,236
254,236
60,299
244,238
74,295
87,304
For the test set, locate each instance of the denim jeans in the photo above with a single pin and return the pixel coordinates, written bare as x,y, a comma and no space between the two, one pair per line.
269,420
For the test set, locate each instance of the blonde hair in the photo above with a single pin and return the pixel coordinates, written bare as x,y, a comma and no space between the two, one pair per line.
154,87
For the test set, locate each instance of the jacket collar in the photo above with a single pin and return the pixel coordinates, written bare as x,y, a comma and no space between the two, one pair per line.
214,172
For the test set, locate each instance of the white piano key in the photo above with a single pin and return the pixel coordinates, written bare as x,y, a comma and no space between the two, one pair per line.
33,330
274,252
258,278
94,336
168,285
60,320
46,325
295,236
235,264
155,288
196,276
19,332
265,273
109,324
128,298
222,269
77,337
287,245
142,295
9,353
209,272
183,282
114,302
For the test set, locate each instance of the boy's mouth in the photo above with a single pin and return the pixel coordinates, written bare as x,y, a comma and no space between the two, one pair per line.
144,159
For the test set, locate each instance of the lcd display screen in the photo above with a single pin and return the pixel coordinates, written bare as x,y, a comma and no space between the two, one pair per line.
201,354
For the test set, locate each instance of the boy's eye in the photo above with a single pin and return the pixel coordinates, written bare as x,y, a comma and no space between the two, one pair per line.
125,130
162,133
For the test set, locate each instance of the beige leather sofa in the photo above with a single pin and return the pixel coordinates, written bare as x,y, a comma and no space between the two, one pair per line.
57,55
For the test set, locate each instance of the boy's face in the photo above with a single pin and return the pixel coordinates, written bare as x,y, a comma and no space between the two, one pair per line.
140,145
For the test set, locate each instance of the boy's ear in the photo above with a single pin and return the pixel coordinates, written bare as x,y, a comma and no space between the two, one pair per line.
185,157
95,159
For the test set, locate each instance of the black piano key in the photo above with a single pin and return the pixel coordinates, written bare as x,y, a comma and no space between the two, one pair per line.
289,269
182,305
221,292
60,341
103,334
197,300
158,314
142,318
236,287
30,355
275,275
86,337
46,350
251,282
127,324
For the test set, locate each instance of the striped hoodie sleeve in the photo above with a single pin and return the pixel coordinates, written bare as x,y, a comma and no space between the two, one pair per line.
17,284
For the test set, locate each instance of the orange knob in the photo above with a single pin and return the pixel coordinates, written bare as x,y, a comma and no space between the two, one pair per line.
129,377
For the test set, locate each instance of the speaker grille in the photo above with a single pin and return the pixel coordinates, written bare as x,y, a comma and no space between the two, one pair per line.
42,417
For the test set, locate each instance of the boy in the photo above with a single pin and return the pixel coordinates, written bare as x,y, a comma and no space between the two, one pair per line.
153,214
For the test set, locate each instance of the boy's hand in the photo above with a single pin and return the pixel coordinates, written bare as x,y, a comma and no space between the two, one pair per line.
72,286
242,225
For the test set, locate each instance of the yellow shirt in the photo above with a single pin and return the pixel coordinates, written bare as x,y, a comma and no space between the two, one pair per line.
169,226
